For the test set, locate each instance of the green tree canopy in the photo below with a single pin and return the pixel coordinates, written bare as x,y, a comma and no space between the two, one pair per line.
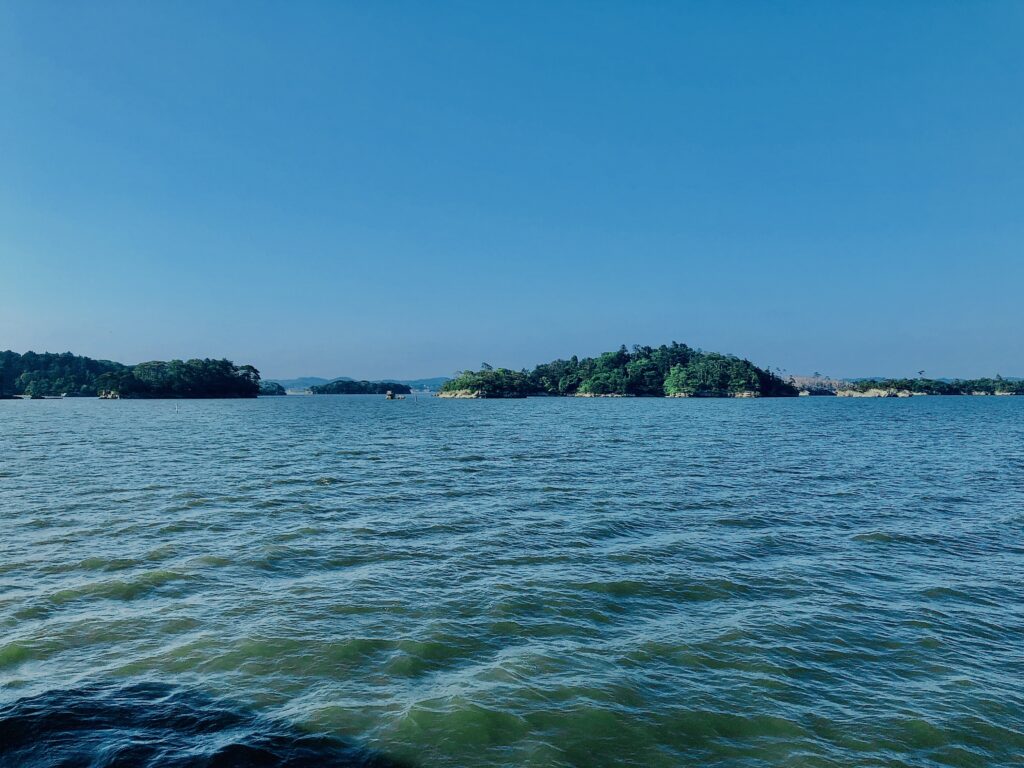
53,375
641,371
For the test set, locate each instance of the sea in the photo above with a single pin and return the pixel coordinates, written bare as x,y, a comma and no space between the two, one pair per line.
346,580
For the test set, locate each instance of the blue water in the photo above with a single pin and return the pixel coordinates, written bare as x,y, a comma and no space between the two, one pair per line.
545,582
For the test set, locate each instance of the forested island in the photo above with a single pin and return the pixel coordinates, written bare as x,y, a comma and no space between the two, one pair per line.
67,375
922,386
349,387
673,370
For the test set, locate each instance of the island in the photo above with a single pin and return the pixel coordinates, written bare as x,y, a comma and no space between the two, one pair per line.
673,370
271,389
922,386
36,375
349,387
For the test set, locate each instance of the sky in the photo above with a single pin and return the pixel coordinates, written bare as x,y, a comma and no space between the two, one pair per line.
404,189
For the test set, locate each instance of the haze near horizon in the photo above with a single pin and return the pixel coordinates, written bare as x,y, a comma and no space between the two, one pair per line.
406,190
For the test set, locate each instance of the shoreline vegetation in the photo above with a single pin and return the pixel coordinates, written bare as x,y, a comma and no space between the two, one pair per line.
49,375
673,370
997,386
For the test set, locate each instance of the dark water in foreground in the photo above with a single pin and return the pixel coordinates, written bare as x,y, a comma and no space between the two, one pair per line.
345,580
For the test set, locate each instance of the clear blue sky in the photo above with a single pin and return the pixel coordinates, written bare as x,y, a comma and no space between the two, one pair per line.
406,189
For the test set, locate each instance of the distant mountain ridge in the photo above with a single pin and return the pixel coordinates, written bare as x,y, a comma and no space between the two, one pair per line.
304,382
432,383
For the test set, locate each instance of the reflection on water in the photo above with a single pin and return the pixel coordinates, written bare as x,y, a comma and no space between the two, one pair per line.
529,583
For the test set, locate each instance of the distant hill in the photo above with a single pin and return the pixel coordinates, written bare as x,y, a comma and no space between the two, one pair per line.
349,387
271,389
303,383
308,382
432,384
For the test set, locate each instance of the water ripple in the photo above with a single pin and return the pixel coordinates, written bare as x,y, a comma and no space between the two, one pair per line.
548,582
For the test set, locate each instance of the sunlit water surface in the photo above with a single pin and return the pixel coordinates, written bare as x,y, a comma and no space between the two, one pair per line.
812,582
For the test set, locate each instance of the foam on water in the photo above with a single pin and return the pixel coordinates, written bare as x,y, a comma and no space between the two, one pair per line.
546,582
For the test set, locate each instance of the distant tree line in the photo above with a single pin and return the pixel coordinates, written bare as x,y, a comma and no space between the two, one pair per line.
642,371
53,375
987,386
349,387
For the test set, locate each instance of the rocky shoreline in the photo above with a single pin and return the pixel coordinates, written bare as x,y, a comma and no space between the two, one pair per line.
468,394
875,392
475,394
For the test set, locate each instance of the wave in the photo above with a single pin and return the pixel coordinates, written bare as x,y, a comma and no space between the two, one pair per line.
151,725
